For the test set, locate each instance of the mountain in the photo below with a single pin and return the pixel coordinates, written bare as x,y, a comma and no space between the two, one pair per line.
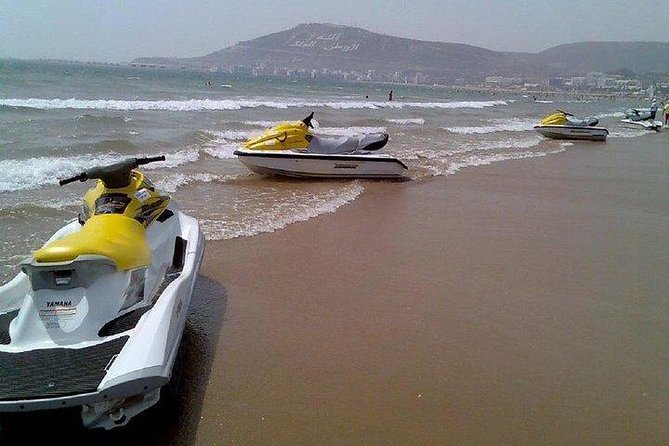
317,46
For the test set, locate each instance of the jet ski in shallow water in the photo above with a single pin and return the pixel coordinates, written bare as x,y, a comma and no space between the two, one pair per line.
291,149
643,118
563,125
95,317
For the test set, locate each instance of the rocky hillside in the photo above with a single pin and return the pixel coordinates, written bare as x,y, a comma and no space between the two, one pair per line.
336,47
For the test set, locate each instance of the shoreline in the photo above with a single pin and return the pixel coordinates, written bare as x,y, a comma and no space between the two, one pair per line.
502,304
522,302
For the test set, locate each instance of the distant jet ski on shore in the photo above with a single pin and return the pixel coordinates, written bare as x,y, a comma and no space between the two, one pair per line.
291,149
563,125
643,117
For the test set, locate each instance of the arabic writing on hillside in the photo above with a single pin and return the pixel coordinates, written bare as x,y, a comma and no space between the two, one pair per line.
330,42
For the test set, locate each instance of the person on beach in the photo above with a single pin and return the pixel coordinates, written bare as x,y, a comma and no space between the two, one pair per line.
390,95
666,113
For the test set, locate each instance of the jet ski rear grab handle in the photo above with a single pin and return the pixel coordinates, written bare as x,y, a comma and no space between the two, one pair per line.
115,175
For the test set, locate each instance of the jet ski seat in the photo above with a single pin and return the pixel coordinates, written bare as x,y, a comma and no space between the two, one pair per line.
119,238
587,122
331,146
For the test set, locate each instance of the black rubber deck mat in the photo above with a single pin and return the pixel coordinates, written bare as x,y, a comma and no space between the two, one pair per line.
55,372
123,323
5,319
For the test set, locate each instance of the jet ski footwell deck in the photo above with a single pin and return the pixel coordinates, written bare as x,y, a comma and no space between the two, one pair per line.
54,373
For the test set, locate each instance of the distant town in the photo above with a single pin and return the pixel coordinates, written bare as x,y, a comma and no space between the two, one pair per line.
625,83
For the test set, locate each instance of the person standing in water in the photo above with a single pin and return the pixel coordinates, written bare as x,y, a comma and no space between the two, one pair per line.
666,113
390,95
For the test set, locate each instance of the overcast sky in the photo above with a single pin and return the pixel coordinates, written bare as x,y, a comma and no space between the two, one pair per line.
118,31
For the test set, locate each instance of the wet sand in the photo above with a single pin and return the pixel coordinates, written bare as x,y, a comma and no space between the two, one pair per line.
519,303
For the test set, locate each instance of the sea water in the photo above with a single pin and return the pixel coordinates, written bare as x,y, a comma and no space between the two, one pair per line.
57,119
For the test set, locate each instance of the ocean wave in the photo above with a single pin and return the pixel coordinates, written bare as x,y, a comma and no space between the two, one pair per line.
94,119
530,141
230,135
298,207
261,123
37,206
407,121
617,114
475,160
170,183
624,132
33,173
434,161
229,104
496,125
222,144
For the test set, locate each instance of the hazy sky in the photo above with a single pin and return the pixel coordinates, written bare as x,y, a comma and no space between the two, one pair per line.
118,31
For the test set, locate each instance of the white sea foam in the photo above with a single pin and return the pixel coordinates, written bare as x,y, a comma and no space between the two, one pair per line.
407,121
617,114
229,104
171,182
298,207
496,125
526,142
222,150
625,132
475,160
32,173
230,135
62,202
437,164
261,123
224,143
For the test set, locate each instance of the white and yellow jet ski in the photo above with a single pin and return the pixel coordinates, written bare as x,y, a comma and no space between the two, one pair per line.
291,149
563,125
95,317
642,118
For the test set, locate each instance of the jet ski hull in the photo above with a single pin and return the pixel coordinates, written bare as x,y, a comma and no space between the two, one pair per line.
118,372
573,132
647,124
312,165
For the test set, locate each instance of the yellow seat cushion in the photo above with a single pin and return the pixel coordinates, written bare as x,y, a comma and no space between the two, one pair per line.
119,238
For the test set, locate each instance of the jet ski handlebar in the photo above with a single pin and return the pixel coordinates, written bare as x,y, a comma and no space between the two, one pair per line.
116,175
307,120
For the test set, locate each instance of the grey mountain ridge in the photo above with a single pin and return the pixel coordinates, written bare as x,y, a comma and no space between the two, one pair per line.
317,46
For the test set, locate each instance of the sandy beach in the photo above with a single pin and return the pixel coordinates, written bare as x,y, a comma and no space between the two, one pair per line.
519,303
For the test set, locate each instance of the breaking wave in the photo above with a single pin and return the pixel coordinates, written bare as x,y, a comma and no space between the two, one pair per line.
229,104
32,173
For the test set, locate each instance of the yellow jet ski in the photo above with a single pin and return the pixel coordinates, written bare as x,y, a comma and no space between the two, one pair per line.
95,317
563,125
292,149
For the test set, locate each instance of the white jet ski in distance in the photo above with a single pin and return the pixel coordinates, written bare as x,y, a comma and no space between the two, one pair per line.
642,118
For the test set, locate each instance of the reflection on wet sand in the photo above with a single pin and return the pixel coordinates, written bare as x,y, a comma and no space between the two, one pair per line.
174,420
